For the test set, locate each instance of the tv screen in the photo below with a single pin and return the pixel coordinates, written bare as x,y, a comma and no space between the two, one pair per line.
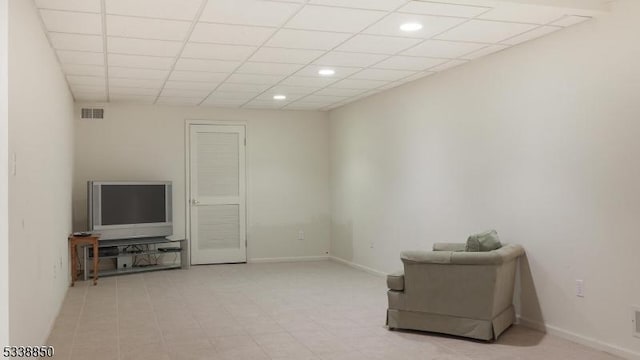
133,204
129,209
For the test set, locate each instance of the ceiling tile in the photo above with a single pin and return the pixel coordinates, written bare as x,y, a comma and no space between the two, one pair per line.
118,45
137,83
136,27
223,102
139,61
533,34
137,99
443,9
265,104
362,4
341,71
133,73
330,91
72,22
230,34
248,12
484,51
206,65
292,56
238,97
248,88
254,79
432,25
442,49
178,75
116,90
76,42
358,84
296,91
448,65
179,100
268,96
268,68
191,85
303,106
87,70
216,51
162,9
308,81
408,63
333,19
338,58
192,93
485,31
323,99
524,13
70,5
377,44
306,39
86,80
100,90
381,74
571,20
80,57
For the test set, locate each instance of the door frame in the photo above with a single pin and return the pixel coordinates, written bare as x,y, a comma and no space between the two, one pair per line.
187,187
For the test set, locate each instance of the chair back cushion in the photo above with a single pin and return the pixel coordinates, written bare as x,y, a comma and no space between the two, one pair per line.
485,241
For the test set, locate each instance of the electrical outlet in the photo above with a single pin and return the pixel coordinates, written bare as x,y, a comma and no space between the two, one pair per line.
580,288
300,235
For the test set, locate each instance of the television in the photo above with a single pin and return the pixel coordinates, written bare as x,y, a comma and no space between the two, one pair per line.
130,209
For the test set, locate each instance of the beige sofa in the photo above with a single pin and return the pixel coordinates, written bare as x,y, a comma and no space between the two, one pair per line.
454,292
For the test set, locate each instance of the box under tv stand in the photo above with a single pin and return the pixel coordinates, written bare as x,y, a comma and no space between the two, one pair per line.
139,249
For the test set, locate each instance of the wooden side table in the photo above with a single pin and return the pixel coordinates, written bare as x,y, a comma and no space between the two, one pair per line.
74,241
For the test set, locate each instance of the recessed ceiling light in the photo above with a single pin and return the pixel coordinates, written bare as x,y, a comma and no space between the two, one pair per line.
410,27
279,97
326,72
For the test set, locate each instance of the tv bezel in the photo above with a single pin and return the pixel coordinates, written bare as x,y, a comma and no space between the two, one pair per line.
127,231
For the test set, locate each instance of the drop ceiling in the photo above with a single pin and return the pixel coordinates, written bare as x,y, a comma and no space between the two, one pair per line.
240,53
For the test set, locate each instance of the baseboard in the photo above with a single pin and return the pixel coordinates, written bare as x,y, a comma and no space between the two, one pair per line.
583,340
357,266
288,259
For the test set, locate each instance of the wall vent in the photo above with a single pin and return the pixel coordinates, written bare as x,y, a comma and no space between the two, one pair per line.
92,113
635,320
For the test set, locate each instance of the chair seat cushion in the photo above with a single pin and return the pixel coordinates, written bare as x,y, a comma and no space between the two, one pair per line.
395,281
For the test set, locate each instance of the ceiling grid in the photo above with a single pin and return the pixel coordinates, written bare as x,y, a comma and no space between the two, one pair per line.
242,53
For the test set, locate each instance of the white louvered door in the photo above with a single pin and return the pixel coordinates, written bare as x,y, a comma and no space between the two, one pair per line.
217,194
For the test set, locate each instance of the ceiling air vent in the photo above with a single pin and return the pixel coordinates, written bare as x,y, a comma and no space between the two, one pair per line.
92,113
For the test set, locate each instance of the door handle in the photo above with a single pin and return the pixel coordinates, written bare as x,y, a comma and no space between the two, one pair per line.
194,202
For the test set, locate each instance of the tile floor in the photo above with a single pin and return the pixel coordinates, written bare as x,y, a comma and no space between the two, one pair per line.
303,311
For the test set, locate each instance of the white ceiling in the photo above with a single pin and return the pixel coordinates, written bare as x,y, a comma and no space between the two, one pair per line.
239,53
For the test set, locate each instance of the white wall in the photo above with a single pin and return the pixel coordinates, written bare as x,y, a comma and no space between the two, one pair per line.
539,142
40,124
4,177
287,168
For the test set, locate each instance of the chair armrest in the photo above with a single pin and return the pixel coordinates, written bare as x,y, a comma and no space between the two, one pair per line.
395,281
426,257
449,246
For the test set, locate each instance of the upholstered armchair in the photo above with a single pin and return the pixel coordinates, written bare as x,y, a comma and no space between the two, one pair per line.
453,291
